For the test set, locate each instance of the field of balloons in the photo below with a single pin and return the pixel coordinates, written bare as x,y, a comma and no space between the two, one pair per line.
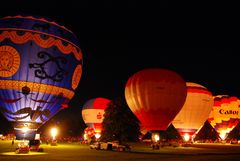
40,69
159,97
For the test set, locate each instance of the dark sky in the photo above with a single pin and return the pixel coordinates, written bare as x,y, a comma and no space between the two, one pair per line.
119,39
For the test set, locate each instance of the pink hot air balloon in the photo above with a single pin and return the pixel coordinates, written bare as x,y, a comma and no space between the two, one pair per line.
93,111
225,114
195,111
155,96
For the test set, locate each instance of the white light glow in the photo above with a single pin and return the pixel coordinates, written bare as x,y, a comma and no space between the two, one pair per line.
85,136
156,137
54,133
186,137
25,129
97,135
222,135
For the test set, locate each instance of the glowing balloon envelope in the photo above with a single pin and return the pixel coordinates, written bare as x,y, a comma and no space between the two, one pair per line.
88,133
40,69
195,110
93,113
225,114
155,96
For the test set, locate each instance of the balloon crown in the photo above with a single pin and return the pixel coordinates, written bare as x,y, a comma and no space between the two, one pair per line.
39,18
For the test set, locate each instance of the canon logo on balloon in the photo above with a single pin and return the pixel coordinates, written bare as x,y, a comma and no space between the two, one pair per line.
228,112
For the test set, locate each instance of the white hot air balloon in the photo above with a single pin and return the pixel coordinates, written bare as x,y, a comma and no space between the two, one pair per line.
195,111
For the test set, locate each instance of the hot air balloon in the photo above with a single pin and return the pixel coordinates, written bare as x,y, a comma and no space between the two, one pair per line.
89,132
155,96
40,69
224,115
195,110
93,113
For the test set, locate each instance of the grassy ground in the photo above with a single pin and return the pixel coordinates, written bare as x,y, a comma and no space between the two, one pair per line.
140,152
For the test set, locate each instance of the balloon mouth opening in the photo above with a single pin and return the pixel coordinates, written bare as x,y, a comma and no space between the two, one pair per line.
32,126
25,130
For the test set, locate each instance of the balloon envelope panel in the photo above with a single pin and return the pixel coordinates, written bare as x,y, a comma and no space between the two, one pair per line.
155,96
40,68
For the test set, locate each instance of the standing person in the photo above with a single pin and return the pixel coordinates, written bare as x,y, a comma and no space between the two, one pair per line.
12,141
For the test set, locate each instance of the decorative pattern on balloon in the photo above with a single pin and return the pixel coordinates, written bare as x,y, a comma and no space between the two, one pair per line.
41,72
21,37
76,76
9,61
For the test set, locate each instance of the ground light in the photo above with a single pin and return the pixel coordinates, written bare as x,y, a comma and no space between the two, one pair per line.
156,137
155,141
97,135
54,132
186,137
222,135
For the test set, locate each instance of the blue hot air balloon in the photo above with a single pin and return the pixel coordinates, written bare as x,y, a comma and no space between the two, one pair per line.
40,69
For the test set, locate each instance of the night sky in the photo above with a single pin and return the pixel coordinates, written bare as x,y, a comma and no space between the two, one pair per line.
119,39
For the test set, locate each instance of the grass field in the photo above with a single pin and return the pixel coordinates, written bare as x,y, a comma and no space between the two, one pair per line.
139,152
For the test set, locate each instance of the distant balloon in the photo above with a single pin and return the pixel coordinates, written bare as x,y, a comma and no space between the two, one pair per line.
155,96
195,110
89,132
143,130
225,114
93,113
40,69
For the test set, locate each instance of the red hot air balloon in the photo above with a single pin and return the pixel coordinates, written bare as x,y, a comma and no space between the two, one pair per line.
93,111
225,114
155,96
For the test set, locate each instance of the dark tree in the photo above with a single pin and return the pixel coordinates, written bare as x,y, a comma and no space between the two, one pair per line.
120,123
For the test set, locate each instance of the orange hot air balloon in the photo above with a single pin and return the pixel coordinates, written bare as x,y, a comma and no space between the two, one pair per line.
155,96
195,110
225,114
